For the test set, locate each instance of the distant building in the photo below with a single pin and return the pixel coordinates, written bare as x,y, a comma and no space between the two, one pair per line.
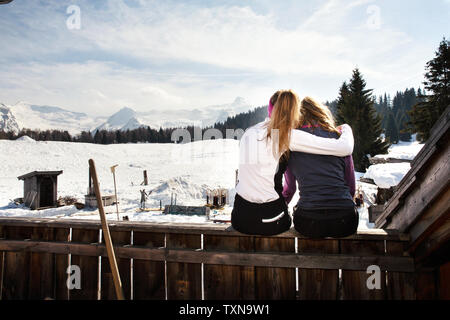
40,189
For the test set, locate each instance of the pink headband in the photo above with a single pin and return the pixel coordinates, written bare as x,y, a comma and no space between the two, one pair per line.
270,109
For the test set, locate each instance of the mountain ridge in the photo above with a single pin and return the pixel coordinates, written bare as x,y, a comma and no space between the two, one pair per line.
44,117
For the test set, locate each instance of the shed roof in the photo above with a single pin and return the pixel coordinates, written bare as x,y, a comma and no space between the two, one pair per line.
40,173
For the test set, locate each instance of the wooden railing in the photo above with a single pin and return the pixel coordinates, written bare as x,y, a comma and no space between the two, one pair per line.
167,261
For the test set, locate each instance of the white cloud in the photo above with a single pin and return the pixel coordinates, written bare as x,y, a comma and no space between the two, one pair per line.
330,42
173,54
100,88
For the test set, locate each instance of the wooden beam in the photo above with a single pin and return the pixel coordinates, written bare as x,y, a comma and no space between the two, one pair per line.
432,184
191,228
437,142
431,220
281,260
438,239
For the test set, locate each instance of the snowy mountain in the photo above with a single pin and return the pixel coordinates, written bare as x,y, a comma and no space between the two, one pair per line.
7,120
127,118
124,119
25,115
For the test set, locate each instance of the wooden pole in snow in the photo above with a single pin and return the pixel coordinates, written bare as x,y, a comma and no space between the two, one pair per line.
106,234
145,178
113,170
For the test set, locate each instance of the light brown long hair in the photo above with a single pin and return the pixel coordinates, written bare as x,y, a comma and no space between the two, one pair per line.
314,114
285,117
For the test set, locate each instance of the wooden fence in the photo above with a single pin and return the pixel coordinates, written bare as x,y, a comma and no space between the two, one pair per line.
211,262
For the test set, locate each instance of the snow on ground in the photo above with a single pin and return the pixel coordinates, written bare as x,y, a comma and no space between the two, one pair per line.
187,170
387,175
403,150
25,138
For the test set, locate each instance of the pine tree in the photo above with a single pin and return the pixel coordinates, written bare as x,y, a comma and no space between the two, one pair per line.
356,108
392,130
437,82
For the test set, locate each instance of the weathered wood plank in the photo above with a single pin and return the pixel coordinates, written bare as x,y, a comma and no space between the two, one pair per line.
444,281
42,268
274,283
108,291
318,284
281,260
225,282
354,283
246,245
148,276
433,181
400,285
61,265
88,267
165,227
438,239
426,288
183,279
16,273
431,219
1,263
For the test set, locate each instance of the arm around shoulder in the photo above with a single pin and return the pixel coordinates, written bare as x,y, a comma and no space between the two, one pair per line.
305,142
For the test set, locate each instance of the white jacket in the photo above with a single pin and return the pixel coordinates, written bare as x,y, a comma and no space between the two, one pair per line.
258,165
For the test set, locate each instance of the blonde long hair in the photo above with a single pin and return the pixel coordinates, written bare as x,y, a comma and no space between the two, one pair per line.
285,117
314,114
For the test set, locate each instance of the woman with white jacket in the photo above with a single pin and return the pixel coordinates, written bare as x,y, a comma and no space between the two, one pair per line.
259,206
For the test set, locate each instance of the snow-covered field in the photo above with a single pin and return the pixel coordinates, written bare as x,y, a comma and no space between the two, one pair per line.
187,170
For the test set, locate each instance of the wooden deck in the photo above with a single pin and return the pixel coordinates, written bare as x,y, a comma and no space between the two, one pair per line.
211,262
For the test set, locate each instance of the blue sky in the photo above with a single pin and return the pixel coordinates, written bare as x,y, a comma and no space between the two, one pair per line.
192,53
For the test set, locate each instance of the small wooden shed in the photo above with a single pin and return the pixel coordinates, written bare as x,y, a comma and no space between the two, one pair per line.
40,188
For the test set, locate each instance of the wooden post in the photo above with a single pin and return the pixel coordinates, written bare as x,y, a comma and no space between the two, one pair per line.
113,170
106,234
145,178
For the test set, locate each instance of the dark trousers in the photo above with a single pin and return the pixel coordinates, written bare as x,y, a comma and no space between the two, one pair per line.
326,223
247,217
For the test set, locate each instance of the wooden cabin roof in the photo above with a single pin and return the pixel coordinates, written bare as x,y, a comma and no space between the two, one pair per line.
435,150
39,173
420,206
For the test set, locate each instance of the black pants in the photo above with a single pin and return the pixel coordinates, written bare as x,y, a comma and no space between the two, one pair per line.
324,223
247,217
